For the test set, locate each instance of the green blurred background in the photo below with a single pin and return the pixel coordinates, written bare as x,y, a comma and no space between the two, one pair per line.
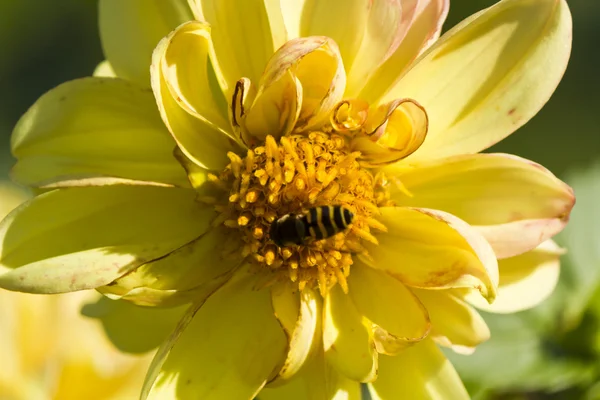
552,352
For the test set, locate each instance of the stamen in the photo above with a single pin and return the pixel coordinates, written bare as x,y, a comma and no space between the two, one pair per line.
291,177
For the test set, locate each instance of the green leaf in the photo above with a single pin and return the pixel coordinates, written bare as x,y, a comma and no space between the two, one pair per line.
582,239
131,328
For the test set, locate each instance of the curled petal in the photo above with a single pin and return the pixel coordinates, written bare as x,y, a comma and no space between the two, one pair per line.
525,280
432,249
299,317
489,75
420,372
189,117
276,107
396,130
243,93
97,235
130,30
190,75
455,323
315,62
350,115
94,130
348,338
235,335
395,309
515,203
187,274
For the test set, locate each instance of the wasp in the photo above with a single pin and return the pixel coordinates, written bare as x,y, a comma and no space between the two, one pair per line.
316,223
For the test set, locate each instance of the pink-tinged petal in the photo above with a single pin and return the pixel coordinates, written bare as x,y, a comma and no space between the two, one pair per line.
432,249
454,323
226,348
395,309
94,131
515,203
489,75
299,316
348,338
441,8
423,26
525,280
395,131
420,372
386,25
245,35
199,138
130,30
82,238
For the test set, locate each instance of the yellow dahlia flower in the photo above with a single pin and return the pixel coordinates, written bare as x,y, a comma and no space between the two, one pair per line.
274,108
49,351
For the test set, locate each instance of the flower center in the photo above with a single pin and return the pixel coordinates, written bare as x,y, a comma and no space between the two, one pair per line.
275,182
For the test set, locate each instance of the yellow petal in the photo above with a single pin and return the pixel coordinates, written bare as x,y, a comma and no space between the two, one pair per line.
432,249
525,280
517,203
224,349
394,308
316,63
396,130
454,323
190,76
276,107
316,380
244,93
130,30
197,175
348,338
489,75
422,26
81,238
436,19
90,129
298,314
187,274
199,138
420,372
332,19
133,329
245,35
104,70
380,29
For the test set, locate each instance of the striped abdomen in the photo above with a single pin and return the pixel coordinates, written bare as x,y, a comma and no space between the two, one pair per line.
325,221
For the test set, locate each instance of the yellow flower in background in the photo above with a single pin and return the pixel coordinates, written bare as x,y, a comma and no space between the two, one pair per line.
161,186
50,351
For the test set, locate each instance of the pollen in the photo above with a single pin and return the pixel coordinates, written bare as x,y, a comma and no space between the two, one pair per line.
290,177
